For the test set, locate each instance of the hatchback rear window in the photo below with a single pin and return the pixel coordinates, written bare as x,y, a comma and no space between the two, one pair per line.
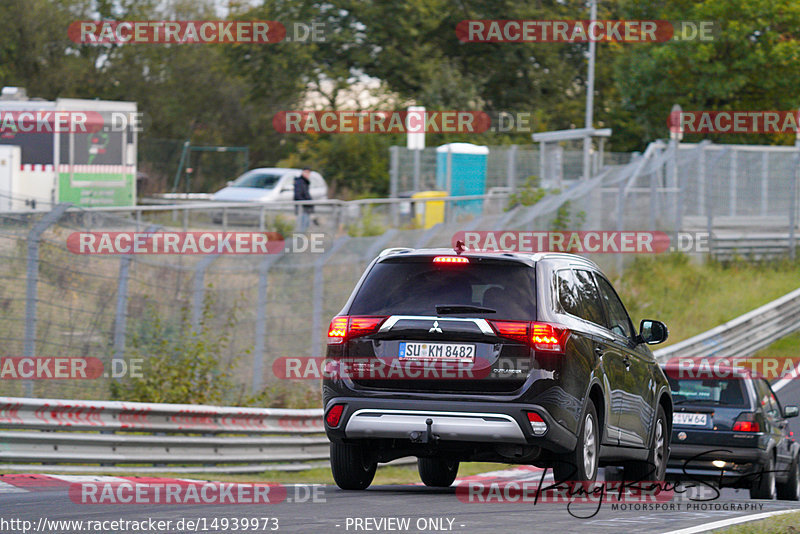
713,392
417,287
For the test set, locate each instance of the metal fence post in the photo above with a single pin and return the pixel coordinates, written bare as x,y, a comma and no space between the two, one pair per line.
121,317
764,181
32,281
394,178
417,171
793,202
200,290
733,183
317,299
511,168
261,322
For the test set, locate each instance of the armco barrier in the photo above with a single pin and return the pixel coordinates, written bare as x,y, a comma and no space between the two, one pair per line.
109,433
743,336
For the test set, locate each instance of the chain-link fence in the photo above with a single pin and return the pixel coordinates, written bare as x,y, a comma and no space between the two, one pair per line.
56,303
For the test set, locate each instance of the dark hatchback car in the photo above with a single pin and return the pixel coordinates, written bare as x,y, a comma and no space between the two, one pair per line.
731,428
549,369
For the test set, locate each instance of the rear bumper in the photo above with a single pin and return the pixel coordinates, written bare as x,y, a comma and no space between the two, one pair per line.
473,422
696,461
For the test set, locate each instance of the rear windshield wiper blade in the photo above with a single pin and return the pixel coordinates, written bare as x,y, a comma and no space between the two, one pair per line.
445,309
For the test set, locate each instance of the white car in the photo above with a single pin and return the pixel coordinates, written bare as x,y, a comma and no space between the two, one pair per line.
269,184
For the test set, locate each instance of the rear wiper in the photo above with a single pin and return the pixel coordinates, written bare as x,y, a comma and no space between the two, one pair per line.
446,309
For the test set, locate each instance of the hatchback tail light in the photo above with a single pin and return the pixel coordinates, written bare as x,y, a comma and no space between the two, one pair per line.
345,327
746,423
545,337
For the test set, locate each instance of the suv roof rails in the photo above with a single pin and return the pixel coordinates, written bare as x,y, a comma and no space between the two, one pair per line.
394,250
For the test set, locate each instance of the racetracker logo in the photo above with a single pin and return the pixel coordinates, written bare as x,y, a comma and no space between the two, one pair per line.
721,368
381,122
175,492
734,122
42,121
51,368
582,242
192,243
533,492
582,31
176,32
308,368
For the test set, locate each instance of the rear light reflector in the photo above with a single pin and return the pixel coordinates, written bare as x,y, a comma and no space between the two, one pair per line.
538,425
450,259
334,415
347,327
746,426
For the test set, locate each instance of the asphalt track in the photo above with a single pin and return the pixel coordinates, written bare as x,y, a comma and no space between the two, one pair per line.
327,509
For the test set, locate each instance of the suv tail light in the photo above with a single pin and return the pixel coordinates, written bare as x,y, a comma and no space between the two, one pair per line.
746,423
345,327
546,337
334,415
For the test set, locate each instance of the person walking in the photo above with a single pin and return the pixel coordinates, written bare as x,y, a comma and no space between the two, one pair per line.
302,191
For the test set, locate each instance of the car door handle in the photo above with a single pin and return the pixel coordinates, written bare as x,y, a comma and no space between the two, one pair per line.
599,351
627,361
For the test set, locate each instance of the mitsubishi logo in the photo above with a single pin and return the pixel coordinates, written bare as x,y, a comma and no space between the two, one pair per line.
435,328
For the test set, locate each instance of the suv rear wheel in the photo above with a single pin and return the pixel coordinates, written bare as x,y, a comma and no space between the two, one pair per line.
581,464
352,466
437,472
790,490
655,467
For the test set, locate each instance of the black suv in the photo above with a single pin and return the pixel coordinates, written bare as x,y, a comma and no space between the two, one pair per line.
730,428
499,357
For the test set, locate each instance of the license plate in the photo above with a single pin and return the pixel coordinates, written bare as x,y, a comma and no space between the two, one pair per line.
689,419
455,352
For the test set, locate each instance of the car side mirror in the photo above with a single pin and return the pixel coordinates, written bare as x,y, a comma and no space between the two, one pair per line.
790,411
652,332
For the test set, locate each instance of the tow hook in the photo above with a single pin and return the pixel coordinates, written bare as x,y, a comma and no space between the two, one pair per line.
428,437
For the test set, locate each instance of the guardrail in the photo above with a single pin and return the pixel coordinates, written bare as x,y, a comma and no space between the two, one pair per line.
193,438
743,336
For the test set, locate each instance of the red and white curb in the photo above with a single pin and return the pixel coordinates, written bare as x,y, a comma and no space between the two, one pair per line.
24,483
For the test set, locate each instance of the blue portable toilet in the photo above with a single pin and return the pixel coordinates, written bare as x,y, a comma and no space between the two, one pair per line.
467,173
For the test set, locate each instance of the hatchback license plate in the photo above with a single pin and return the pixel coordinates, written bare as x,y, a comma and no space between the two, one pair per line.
456,352
689,419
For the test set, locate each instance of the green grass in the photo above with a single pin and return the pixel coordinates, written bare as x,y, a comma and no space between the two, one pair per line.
782,524
692,298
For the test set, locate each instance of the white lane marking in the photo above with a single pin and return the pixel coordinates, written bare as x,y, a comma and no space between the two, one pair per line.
9,488
783,381
732,521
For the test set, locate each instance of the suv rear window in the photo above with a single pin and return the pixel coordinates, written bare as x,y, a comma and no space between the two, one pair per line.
416,287
719,392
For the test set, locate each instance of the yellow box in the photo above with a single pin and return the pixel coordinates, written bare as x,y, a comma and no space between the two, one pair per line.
431,213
